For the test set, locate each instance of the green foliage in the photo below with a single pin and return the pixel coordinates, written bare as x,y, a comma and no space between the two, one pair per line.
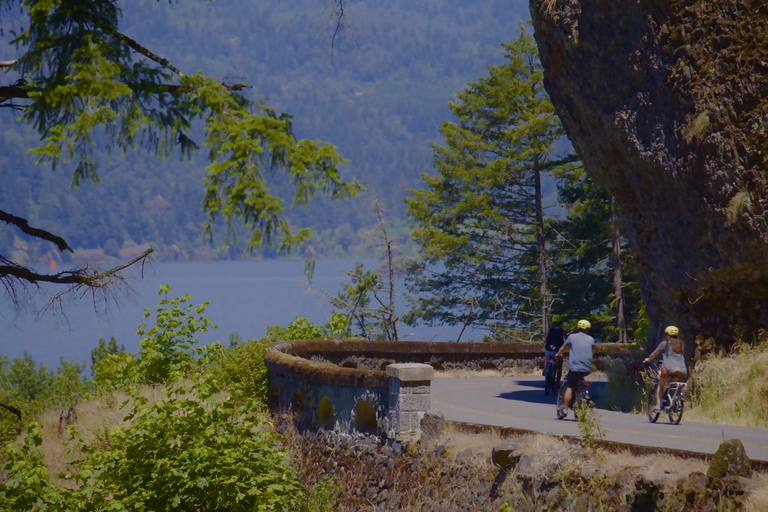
625,388
366,287
241,370
377,109
590,428
207,445
478,221
235,339
582,269
191,451
32,388
324,495
166,349
70,386
26,485
103,349
112,373
79,87
25,386
302,329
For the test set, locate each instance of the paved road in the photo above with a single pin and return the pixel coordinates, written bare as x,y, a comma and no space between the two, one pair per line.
520,402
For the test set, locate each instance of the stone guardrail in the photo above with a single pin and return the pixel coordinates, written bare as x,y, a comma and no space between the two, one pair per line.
305,377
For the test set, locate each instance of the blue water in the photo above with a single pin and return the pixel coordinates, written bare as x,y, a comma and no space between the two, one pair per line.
244,297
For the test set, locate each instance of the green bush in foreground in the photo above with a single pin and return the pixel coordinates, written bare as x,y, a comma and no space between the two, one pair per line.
191,451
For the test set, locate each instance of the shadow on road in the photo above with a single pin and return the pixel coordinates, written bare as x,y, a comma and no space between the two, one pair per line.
534,391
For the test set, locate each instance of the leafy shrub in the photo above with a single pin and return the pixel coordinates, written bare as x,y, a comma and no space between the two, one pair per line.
302,329
167,347
324,495
242,369
26,486
192,451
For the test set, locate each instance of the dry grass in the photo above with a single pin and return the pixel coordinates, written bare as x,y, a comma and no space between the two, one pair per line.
757,501
469,374
612,463
738,203
549,7
731,389
698,127
94,417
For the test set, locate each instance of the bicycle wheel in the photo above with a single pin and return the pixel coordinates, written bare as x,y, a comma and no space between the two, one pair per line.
676,411
650,403
549,379
561,403
579,400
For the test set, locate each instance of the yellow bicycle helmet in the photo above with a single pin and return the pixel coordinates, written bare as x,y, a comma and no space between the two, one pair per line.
584,324
557,319
672,330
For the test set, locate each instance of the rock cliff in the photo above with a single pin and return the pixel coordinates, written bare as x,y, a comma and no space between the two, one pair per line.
666,103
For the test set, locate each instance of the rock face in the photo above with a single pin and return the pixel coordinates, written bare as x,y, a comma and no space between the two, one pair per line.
666,102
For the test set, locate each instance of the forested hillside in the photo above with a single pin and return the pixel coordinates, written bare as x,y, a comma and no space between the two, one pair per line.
378,92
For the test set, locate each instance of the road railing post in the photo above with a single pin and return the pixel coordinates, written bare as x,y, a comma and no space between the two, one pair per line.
410,388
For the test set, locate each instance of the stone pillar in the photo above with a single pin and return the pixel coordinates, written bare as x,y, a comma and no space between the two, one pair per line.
410,386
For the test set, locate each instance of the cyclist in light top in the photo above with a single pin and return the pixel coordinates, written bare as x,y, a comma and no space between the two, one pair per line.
579,361
672,362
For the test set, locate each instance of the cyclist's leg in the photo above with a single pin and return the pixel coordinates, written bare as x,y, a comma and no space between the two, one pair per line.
572,381
663,381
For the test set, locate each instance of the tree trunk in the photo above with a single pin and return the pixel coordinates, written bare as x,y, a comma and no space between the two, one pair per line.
618,289
542,249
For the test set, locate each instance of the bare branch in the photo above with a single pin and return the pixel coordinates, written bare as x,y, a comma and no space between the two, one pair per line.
8,63
12,410
86,276
23,225
144,51
91,280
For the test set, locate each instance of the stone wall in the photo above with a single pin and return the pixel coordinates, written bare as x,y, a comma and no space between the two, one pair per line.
312,378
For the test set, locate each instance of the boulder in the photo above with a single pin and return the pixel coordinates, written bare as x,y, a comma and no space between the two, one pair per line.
666,104
729,460
504,455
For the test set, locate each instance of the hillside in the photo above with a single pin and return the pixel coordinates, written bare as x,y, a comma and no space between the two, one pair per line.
379,93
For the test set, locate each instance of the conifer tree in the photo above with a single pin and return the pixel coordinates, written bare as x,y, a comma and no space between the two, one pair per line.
593,272
81,83
479,221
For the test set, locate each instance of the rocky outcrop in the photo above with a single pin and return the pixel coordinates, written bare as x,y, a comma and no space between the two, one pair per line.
729,460
665,102
521,473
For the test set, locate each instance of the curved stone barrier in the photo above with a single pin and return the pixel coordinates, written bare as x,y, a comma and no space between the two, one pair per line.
305,378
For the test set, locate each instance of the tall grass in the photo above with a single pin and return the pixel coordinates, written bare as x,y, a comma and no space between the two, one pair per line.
733,388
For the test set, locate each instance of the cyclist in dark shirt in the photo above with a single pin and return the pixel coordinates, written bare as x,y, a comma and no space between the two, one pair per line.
555,339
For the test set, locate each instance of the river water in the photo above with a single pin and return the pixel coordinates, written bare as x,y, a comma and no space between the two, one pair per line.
244,297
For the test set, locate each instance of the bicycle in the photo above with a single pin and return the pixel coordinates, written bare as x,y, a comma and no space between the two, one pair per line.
551,380
579,396
672,400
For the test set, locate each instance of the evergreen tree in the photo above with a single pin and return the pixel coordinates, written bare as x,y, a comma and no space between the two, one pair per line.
81,83
593,273
480,222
